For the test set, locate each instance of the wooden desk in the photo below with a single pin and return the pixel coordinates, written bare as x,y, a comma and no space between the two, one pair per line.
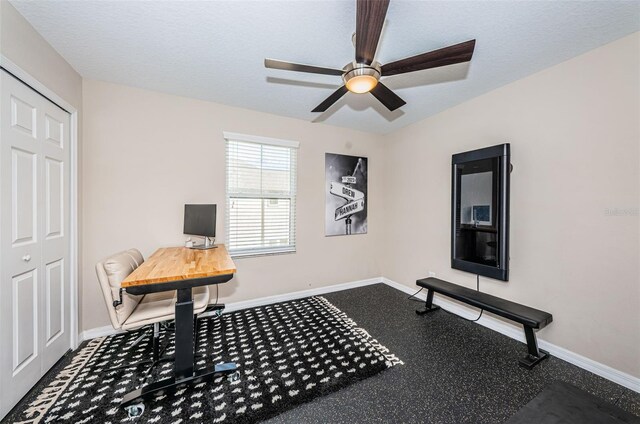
168,267
181,269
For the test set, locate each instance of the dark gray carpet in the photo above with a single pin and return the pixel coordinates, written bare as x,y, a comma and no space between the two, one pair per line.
454,371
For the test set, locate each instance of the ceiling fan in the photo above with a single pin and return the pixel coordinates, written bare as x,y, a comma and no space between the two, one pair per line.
363,74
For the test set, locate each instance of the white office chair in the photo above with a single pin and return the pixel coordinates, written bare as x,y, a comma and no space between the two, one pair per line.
129,312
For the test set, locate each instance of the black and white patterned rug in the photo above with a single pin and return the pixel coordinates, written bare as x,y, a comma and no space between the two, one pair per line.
287,354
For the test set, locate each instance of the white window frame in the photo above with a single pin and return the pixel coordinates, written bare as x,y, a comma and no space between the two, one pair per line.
262,251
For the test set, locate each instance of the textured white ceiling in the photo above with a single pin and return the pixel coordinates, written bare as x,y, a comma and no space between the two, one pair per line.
215,50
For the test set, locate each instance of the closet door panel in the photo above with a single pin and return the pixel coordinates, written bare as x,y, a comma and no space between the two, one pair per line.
34,238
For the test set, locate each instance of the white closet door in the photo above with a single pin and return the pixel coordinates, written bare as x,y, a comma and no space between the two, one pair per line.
54,233
34,238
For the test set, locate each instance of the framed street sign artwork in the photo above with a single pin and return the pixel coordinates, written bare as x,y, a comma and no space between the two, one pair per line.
345,194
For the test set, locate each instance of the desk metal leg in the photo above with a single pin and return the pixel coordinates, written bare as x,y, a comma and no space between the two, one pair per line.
207,374
184,360
184,334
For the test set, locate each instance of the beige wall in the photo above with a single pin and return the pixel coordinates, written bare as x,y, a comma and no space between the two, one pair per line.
21,44
574,131
146,154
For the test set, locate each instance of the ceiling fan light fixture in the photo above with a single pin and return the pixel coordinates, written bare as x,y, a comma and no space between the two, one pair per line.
361,84
361,78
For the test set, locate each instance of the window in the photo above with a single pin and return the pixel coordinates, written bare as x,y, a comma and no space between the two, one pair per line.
261,195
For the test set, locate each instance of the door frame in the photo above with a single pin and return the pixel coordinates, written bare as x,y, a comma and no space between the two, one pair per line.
28,79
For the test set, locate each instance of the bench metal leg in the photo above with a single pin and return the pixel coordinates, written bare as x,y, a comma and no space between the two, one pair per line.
428,306
535,354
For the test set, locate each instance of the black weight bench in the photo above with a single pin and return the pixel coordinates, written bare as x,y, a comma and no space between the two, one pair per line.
532,319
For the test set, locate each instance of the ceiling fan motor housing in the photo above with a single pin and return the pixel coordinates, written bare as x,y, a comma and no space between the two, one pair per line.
360,77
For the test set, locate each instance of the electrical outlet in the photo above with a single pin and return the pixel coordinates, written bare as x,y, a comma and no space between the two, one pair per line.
432,274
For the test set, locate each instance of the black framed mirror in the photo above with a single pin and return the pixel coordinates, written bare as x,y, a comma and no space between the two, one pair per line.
480,211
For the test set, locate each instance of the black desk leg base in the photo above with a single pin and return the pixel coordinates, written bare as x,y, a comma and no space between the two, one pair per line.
535,355
428,305
148,392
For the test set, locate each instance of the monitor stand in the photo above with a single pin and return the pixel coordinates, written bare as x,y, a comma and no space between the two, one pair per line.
208,244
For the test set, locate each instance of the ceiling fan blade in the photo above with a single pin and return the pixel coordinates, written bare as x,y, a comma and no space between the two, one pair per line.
289,66
331,99
457,53
370,16
387,97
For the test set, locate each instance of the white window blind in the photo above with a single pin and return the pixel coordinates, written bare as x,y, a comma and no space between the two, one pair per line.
261,195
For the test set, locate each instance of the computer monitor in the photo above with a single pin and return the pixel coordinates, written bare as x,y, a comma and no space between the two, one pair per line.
200,220
482,214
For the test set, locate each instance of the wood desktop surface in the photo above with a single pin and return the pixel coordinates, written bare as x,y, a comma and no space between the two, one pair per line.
181,263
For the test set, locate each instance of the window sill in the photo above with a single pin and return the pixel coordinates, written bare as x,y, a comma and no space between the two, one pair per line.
260,254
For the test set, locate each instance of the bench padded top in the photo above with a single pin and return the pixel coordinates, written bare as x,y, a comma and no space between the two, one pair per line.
525,315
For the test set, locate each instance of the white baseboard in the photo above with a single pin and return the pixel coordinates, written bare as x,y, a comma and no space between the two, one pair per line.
516,332
252,303
512,331
92,333
230,307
